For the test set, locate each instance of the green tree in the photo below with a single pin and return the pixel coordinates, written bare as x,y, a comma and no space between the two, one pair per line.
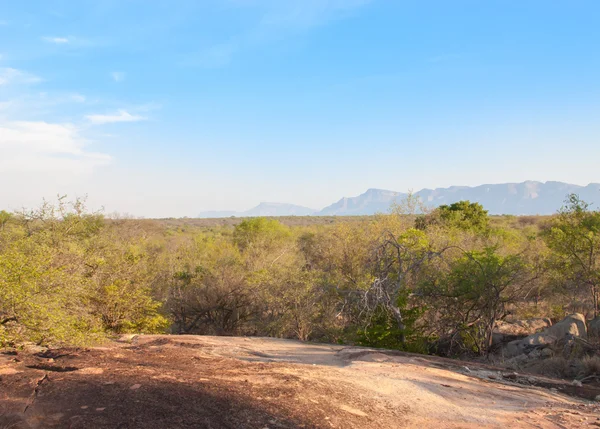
4,218
396,266
463,215
208,291
474,291
574,239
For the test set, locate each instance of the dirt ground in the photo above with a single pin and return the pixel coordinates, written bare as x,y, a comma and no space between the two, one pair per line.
227,382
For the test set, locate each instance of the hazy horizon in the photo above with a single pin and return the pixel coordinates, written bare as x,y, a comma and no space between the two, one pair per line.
170,109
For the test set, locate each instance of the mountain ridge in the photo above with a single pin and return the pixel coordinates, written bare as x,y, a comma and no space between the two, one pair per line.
263,209
513,198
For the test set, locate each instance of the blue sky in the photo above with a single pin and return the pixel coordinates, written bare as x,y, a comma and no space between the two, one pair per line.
169,108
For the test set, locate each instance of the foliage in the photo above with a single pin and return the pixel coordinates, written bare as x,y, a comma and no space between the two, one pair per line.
413,279
383,331
59,285
474,291
465,215
574,238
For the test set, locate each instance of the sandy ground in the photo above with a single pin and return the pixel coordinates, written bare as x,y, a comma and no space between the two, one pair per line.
227,382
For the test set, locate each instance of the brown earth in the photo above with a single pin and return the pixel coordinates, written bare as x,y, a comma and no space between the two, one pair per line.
227,382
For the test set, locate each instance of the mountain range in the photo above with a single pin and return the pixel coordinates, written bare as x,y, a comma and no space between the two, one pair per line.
526,198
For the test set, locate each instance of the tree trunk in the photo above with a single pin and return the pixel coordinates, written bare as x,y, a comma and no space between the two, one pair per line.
595,299
399,322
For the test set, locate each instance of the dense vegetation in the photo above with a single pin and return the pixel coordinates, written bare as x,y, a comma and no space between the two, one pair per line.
422,282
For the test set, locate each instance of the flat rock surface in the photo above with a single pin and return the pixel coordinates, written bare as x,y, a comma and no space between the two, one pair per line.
164,381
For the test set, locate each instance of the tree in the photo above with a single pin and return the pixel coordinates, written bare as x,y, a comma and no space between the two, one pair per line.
395,266
259,232
574,239
208,292
463,215
66,277
4,218
474,292
292,301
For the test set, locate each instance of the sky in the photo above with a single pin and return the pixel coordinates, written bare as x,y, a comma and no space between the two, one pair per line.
169,108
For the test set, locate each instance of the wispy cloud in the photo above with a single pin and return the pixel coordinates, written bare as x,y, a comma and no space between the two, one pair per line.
56,40
10,75
73,42
118,76
120,116
45,147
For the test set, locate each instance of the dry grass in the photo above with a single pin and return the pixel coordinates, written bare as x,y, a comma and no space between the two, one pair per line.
560,367
591,365
556,366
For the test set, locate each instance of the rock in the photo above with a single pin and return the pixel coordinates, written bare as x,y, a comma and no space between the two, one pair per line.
594,327
577,383
510,375
91,370
517,362
535,354
497,338
547,352
521,327
135,387
32,348
9,371
127,338
571,325
597,398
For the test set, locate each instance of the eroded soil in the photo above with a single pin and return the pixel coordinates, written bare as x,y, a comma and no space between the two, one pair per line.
227,382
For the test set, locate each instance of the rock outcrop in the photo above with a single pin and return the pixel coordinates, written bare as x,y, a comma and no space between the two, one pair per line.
573,325
594,328
508,331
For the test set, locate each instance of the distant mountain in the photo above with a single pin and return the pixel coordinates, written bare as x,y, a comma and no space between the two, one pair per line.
371,202
527,198
263,209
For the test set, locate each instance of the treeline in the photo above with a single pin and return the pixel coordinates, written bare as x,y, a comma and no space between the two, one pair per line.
434,282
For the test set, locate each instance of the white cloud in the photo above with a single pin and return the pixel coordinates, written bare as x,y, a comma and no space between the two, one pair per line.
56,40
118,76
41,147
13,76
121,116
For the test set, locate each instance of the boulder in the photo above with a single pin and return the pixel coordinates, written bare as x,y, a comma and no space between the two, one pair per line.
531,326
594,327
571,325
505,332
522,327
